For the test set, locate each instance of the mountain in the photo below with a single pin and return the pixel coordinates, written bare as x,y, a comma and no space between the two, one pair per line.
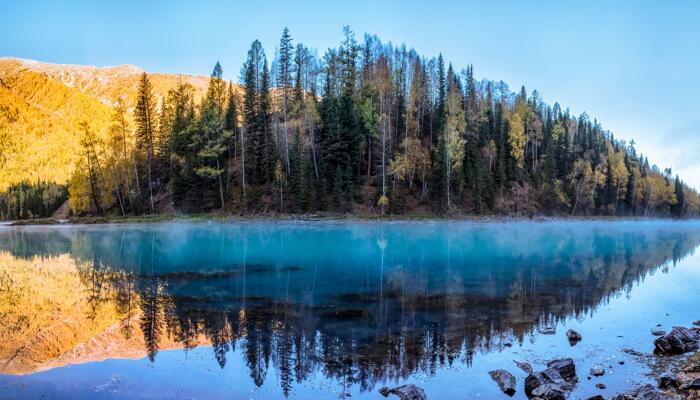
42,104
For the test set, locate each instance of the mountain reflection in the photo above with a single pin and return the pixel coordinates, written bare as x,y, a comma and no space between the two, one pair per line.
360,304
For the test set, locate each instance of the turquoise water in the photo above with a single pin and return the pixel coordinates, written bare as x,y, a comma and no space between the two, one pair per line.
326,310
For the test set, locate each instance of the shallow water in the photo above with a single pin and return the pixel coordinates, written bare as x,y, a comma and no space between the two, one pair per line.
269,310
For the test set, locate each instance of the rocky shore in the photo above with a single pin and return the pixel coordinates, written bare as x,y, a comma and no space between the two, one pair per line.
676,368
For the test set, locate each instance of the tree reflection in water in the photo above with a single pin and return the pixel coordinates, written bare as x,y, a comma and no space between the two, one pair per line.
384,313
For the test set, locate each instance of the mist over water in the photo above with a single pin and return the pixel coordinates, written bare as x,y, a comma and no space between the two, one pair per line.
328,310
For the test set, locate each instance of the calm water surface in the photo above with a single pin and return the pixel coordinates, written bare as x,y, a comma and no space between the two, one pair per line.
270,310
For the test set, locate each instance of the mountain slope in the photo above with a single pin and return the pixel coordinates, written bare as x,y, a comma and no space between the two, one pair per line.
42,105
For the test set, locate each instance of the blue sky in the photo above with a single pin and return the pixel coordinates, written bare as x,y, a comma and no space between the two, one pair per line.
633,65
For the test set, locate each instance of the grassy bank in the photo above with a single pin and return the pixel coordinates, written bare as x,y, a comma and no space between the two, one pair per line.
222,217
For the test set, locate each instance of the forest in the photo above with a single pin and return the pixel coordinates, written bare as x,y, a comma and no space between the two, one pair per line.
368,128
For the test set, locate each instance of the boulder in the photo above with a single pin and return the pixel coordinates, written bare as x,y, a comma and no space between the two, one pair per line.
573,336
696,323
565,367
384,391
560,374
525,366
597,371
505,381
409,392
549,392
692,385
623,397
668,380
680,340
648,392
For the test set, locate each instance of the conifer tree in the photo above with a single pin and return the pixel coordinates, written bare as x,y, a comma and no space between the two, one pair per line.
284,81
145,117
257,145
212,143
679,207
182,136
231,127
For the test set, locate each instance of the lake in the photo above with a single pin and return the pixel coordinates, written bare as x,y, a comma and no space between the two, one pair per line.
325,310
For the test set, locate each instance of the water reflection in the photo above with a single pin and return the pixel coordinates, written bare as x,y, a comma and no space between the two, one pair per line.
358,303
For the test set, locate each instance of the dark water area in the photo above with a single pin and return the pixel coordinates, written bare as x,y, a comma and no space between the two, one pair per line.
266,310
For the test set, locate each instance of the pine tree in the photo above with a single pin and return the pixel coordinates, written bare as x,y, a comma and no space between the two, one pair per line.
182,137
231,127
284,80
212,143
257,147
145,116
441,93
266,151
679,207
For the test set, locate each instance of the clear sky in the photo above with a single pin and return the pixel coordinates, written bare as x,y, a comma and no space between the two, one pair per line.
633,65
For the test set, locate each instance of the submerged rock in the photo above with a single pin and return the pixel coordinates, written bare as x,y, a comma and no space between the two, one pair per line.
658,332
600,385
549,392
505,381
573,336
560,376
597,371
648,392
525,366
667,380
408,392
680,340
547,330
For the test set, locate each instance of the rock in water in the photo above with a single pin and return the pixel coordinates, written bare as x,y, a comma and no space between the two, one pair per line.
560,374
696,323
573,336
409,392
692,385
658,332
600,386
648,392
549,392
385,391
505,381
597,371
565,367
596,397
680,340
525,366
667,380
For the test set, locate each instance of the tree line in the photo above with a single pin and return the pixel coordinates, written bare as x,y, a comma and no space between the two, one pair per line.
368,128
31,200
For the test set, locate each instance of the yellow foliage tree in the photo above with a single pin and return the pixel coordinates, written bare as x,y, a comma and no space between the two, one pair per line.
516,137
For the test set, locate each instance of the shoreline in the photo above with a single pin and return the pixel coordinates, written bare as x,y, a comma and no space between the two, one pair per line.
328,217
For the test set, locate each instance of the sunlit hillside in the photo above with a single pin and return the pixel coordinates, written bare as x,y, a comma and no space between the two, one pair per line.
42,104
